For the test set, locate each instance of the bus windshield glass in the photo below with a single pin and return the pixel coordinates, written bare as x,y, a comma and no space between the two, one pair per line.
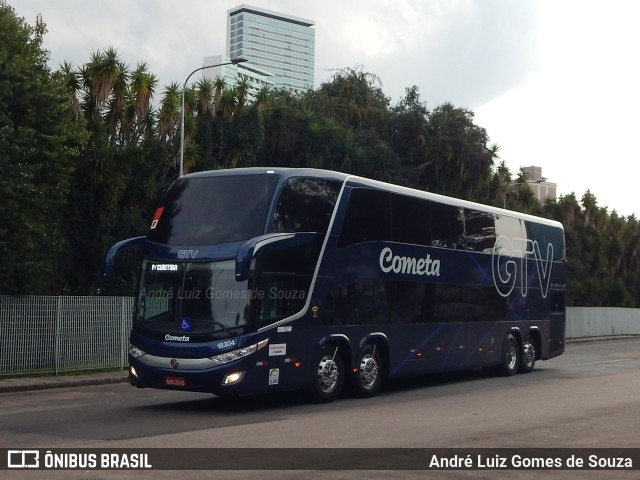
213,210
192,298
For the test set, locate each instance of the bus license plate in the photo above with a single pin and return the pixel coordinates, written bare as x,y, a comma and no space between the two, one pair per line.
175,381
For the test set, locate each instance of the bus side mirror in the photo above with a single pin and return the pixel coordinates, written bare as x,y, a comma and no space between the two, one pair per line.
249,250
110,259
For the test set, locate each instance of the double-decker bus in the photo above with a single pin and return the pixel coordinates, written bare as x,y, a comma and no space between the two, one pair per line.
256,280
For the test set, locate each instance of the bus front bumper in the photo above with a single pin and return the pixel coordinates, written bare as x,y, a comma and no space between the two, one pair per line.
241,377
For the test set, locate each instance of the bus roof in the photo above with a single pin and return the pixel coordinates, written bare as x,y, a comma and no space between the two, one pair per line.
284,172
360,181
357,181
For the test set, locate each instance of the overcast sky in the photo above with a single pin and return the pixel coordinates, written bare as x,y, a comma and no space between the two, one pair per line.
554,82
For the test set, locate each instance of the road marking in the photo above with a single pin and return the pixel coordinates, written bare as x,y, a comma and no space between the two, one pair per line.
599,363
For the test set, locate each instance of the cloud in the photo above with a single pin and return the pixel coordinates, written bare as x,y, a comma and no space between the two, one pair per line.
576,115
462,51
554,83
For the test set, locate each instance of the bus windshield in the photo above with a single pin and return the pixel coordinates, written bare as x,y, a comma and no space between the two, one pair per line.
213,210
192,298
205,297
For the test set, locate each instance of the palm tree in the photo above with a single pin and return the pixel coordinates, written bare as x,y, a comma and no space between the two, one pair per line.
219,85
590,206
243,90
261,105
99,76
205,93
143,86
227,107
310,138
332,131
263,100
169,112
228,103
117,103
135,120
350,152
191,149
281,129
71,80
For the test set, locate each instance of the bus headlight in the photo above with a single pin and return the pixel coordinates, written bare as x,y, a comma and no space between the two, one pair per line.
231,378
135,352
237,354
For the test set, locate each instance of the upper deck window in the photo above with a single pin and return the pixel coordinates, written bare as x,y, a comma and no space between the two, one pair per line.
213,210
305,205
368,217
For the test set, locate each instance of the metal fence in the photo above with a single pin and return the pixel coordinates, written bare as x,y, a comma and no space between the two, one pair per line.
62,334
602,321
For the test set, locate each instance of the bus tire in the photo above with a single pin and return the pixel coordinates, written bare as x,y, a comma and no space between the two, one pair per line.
528,355
328,375
367,377
510,356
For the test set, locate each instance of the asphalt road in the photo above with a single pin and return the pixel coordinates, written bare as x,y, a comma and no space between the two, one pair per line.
587,398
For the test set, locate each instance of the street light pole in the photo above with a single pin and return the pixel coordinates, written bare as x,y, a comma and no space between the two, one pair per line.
233,61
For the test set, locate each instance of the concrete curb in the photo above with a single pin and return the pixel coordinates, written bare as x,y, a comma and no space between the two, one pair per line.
26,384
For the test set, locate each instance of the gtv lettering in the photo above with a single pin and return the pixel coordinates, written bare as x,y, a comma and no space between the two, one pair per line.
509,264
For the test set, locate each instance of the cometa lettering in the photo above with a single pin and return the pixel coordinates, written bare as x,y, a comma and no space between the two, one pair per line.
176,338
408,265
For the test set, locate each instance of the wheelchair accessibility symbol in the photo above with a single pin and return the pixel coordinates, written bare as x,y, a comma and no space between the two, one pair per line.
185,324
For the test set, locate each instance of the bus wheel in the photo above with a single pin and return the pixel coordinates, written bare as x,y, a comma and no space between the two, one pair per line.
528,356
329,376
367,378
510,356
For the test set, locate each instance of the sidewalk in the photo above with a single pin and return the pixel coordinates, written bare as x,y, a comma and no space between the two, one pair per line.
25,384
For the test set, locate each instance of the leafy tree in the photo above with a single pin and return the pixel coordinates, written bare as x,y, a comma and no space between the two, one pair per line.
459,160
281,132
39,142
346,125
121,169
84,156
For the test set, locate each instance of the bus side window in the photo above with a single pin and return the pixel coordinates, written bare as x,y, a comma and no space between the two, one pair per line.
545,235
410,220
447,228
480,231
305,205
367,218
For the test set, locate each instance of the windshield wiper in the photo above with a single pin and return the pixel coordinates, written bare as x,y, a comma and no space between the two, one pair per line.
224,327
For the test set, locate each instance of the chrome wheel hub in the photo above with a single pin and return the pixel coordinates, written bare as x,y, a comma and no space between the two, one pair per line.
529,353
327,374
368,371
511,356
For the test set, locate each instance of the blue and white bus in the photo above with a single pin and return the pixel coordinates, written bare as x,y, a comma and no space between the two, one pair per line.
256,280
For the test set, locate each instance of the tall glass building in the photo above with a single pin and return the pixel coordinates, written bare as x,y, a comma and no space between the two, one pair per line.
281,45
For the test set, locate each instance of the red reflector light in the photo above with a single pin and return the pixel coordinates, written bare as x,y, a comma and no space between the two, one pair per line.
156,217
